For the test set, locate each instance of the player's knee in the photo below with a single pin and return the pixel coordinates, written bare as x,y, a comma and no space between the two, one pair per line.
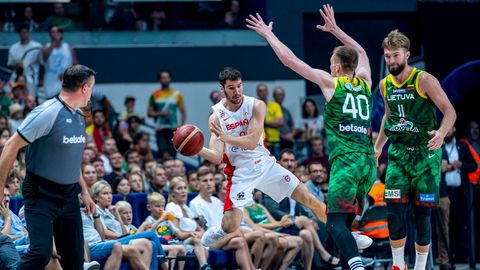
396,221
229,226
422,223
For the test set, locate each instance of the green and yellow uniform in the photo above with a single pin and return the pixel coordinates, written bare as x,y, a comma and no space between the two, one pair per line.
348,129
413,171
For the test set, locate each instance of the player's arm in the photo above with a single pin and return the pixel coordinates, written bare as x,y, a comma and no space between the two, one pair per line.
254,131
9,154
434,91
86,198
363,69
214,152
322,78
382,138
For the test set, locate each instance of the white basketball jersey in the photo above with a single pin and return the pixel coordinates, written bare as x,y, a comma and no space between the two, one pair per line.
236,124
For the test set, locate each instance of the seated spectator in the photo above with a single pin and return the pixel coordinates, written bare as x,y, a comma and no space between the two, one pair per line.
13,184
28,20
97,162
122,187
101,131
116,160
161,222
88,155
124,18
109,147
16,117
311,123
58,18
159,182
125,211
189,230
192,181
101,193
132,157
318,154
218,177
259,218
232,17
5,133
89,174
129,104
135,180
9,257
10,224
141,144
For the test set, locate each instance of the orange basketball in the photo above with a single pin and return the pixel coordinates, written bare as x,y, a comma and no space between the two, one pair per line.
188,140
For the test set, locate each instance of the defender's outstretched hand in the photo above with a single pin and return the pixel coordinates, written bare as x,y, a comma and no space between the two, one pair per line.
329,17
257,24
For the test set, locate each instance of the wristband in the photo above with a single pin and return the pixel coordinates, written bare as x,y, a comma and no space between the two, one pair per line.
97,216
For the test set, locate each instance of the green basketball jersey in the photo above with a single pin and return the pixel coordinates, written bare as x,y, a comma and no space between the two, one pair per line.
348,118
412,113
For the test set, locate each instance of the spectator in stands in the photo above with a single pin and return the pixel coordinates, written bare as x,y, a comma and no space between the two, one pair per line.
122,187
159,181
116,160
318,183
233,17
204,204
16,117
179,168
459,162
88,155
312,121
9,257
109,147
58,18
101,192
97,162
129,104
318,153
89,174
5,133
5,103
57,56
28,20
24,58
148,167
161,222
473,142
13,184
222,191
163,107
124,18
273,120
141,144
136,182
287,130
258,217
218,177
216,96
30,104
132,157
183,219
100,129
156,20
192,181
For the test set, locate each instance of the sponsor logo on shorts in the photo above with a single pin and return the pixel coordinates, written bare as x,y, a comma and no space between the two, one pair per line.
286,178
352,127
241,196
404,126
73,139
430,197
392,194
237,124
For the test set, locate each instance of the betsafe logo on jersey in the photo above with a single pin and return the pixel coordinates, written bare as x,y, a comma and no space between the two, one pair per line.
73,139
352,127
404,126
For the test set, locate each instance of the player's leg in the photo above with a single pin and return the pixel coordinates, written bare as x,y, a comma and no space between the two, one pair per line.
397,196
426,185
345,177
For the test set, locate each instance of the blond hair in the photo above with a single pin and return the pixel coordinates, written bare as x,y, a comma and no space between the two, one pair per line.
173,183
155,197
396,40
97,187
121,205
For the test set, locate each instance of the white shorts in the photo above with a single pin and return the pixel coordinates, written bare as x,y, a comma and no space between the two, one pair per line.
264,174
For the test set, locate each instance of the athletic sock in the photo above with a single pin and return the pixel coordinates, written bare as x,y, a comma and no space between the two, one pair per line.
421,261
399,257
356,263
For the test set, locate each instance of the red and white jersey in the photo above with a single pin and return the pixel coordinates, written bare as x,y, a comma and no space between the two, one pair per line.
236,124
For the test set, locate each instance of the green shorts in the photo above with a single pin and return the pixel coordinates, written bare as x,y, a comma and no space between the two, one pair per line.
351,178
413,174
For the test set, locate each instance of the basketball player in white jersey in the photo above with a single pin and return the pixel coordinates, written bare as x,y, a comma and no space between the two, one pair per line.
237,139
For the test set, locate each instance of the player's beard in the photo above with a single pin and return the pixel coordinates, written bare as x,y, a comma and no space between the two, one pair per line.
396,70
234,99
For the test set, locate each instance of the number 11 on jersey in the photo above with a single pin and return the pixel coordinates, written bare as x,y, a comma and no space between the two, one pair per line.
401,112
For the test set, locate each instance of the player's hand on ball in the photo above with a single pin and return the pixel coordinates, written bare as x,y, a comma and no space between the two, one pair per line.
217,130
437,141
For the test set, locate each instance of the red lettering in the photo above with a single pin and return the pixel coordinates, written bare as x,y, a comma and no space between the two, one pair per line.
235,125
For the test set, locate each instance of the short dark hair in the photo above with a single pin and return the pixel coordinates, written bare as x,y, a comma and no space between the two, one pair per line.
229,74
163,71
54,25
22,26
75,76
287,151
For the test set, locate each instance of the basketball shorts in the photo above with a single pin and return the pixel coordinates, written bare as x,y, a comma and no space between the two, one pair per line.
264,174
351,178
413,174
